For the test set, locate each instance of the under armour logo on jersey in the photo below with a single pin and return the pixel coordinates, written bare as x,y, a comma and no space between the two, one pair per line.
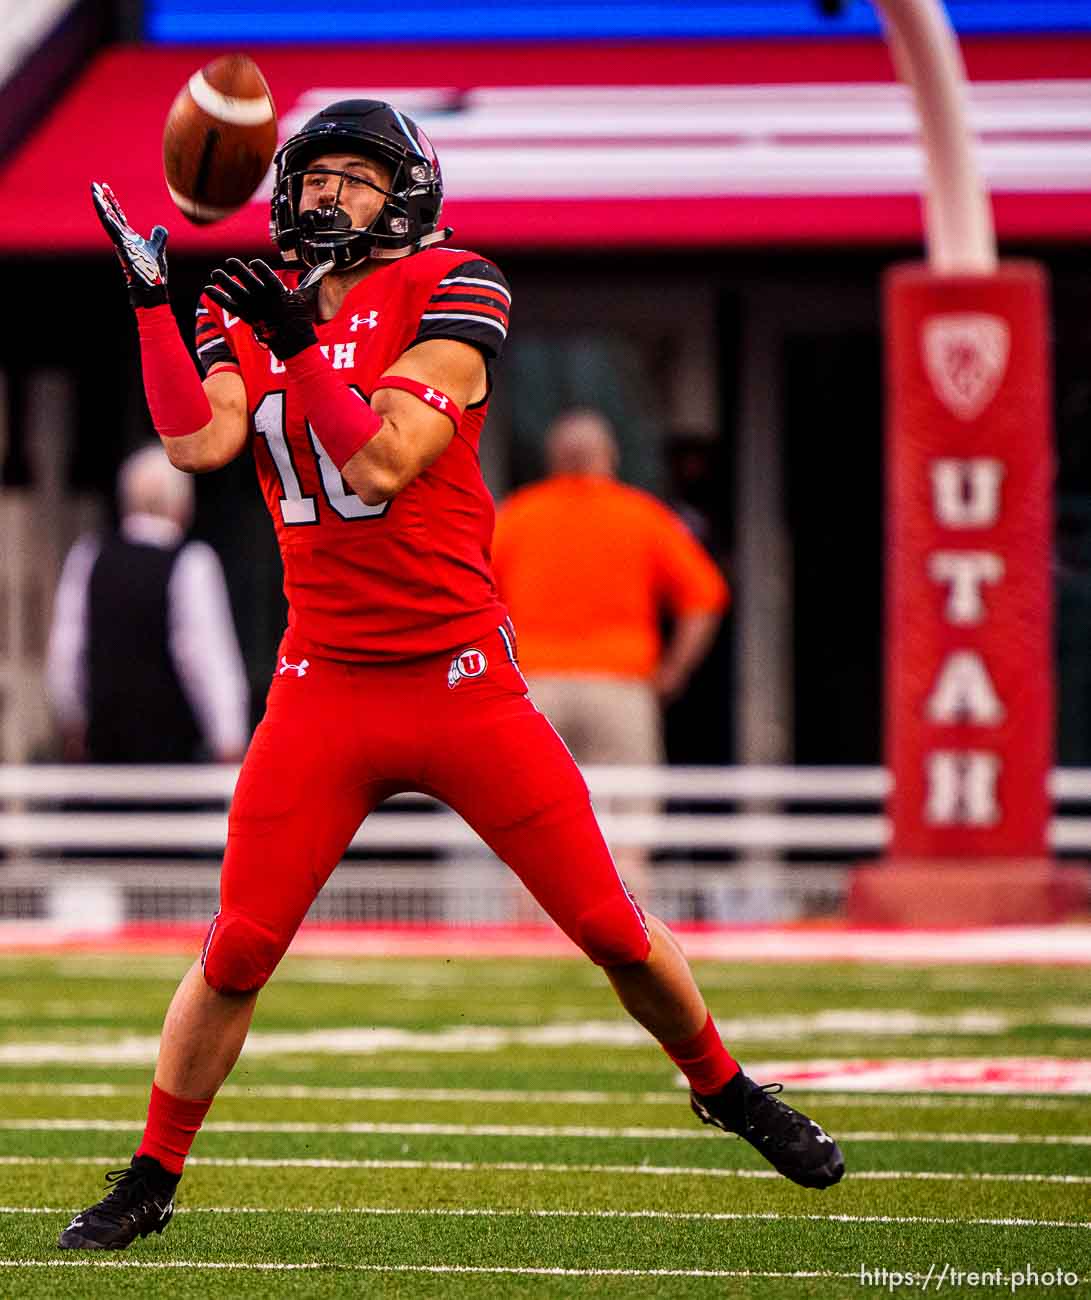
371,320
300,669
470,663
437,400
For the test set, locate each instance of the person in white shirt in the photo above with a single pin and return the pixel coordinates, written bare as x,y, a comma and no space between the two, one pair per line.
143,664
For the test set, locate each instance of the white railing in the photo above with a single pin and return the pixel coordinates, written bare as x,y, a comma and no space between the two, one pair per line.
744,813
88,849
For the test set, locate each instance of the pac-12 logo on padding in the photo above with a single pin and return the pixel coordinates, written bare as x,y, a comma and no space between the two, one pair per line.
470,663
966,356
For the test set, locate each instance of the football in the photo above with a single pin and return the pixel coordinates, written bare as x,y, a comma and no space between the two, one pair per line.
219,139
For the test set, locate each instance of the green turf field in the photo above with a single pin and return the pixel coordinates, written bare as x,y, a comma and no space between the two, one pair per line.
490,1128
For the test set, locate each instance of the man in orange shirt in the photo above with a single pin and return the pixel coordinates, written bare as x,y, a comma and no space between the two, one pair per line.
586,566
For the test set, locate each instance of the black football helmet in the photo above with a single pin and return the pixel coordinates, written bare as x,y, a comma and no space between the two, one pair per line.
406,221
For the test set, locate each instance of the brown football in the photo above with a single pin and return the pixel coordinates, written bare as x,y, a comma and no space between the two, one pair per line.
219,139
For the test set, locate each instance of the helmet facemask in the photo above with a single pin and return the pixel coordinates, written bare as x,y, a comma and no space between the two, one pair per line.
326,232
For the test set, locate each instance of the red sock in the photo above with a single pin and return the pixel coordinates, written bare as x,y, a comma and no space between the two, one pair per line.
704,1060
172,1125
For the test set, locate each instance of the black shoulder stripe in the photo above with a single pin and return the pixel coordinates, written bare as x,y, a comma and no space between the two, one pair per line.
470,304
488,336
454,294
215,352
216,336
477,266
476,269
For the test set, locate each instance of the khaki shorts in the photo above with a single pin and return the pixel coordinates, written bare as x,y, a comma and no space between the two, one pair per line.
602,719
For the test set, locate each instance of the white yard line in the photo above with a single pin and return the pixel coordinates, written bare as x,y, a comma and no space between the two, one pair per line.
571,1097
635,1133
358,973
987,1139
670,1215
521,1167
865,1022
304,1092
494,1270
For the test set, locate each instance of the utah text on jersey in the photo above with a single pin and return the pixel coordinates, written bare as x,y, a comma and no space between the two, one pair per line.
341,356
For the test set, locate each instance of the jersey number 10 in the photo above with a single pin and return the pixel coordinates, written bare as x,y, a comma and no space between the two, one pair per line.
295,507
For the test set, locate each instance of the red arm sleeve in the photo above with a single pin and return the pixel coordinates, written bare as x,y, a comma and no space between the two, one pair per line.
340,417
176,399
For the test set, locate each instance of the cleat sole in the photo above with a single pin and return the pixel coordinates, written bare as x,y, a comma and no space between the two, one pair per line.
72,1241
827,1176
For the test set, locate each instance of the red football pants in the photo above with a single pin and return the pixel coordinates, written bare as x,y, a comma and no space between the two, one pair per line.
338,738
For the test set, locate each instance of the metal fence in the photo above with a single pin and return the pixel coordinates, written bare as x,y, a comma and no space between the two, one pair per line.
98,847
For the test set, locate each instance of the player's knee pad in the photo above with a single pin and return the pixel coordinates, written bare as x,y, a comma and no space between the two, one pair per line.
239,955
613,933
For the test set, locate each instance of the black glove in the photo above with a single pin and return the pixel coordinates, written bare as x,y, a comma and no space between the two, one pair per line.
281,318
144,261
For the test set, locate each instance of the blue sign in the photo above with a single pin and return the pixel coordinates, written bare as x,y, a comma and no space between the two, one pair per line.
279,21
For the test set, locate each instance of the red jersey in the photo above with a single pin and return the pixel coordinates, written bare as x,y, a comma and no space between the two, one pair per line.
412,576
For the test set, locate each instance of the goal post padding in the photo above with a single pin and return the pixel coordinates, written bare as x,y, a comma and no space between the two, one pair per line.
968,644
969,694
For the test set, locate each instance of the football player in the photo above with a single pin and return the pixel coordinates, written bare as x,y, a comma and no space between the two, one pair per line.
359,379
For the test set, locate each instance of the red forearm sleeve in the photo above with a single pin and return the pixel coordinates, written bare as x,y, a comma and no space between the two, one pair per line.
340,417
176,398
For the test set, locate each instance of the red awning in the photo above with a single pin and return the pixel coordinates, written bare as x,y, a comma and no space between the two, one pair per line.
555,146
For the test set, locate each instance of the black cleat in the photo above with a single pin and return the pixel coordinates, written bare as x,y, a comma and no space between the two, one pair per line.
793,1144
140,1201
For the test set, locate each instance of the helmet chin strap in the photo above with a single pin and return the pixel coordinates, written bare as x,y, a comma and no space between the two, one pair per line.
375,255
392,254
314,275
